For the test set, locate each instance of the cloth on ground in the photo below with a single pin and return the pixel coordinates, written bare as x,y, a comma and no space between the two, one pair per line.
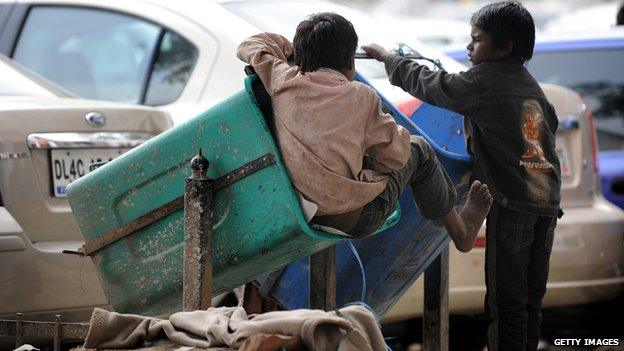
350,328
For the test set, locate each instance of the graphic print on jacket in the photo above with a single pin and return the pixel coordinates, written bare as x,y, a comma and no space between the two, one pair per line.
533,160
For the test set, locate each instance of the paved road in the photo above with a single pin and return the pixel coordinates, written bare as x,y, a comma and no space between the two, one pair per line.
467,333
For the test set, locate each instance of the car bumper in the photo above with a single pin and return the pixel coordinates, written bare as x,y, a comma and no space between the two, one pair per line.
39,281
586,265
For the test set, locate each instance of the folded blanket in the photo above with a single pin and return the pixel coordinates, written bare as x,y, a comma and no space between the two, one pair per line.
350,328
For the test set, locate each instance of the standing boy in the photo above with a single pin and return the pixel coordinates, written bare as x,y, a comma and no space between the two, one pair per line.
511,129
340,150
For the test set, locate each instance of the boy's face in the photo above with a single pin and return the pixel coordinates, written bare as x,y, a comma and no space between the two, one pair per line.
480,48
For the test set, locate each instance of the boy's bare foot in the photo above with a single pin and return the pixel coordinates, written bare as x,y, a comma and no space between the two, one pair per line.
463,227
476,208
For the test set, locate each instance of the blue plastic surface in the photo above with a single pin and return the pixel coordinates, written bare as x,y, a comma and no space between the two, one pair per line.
612,176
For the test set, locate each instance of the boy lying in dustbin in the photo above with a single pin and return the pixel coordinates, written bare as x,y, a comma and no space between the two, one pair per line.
340,150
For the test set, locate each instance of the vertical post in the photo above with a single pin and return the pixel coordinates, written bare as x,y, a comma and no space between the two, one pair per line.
57,332
436,313
323,279
197,288
19,330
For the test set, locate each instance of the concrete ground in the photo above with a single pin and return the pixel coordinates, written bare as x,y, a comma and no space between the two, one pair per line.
467,333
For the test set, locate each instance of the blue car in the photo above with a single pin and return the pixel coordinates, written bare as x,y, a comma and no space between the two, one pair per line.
591,64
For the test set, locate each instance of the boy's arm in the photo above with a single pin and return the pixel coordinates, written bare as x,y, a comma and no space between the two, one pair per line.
456,92
386,143
268,53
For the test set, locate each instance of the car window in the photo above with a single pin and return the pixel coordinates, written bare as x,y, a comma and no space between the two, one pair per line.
104,55
171,70
592,74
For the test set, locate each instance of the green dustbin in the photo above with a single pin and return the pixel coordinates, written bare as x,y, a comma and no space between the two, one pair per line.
258,222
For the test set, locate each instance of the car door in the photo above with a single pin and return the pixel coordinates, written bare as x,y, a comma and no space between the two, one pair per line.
99,53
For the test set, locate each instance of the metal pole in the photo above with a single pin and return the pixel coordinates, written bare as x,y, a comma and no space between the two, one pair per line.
198,191
323,279
19,330
436,313
57,332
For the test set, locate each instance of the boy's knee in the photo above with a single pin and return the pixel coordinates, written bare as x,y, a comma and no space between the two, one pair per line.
421,147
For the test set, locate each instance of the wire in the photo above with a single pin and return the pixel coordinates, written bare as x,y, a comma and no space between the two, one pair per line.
363,292
363,274
407,52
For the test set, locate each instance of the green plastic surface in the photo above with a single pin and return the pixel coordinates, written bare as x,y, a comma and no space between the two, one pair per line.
258,222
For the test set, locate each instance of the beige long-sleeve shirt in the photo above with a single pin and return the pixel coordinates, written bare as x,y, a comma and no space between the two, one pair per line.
324,126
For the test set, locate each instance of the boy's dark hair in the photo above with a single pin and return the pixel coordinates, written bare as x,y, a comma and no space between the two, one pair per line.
324,40
508,21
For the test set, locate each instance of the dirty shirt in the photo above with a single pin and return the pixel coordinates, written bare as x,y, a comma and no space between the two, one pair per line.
324,126
510,125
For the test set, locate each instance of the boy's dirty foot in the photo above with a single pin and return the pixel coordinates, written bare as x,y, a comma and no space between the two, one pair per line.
476,208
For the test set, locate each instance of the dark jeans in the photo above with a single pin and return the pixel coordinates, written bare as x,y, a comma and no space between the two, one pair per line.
432,190
517,252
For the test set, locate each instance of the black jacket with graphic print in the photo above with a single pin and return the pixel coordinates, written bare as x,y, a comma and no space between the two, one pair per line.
511,127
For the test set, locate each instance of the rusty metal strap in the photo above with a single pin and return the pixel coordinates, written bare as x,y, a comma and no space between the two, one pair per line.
100,242
155,215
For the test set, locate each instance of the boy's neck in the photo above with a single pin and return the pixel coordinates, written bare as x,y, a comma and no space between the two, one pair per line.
326,69
506,61
509,60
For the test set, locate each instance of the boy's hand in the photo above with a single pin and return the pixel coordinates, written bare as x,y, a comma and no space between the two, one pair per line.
376,51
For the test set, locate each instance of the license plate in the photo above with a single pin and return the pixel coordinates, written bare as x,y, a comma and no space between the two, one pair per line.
563,161
68,165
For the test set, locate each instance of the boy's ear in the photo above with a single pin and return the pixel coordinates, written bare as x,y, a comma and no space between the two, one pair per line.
506,49
351,62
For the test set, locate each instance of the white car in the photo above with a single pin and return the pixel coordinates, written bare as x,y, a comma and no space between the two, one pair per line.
180,56
48,138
